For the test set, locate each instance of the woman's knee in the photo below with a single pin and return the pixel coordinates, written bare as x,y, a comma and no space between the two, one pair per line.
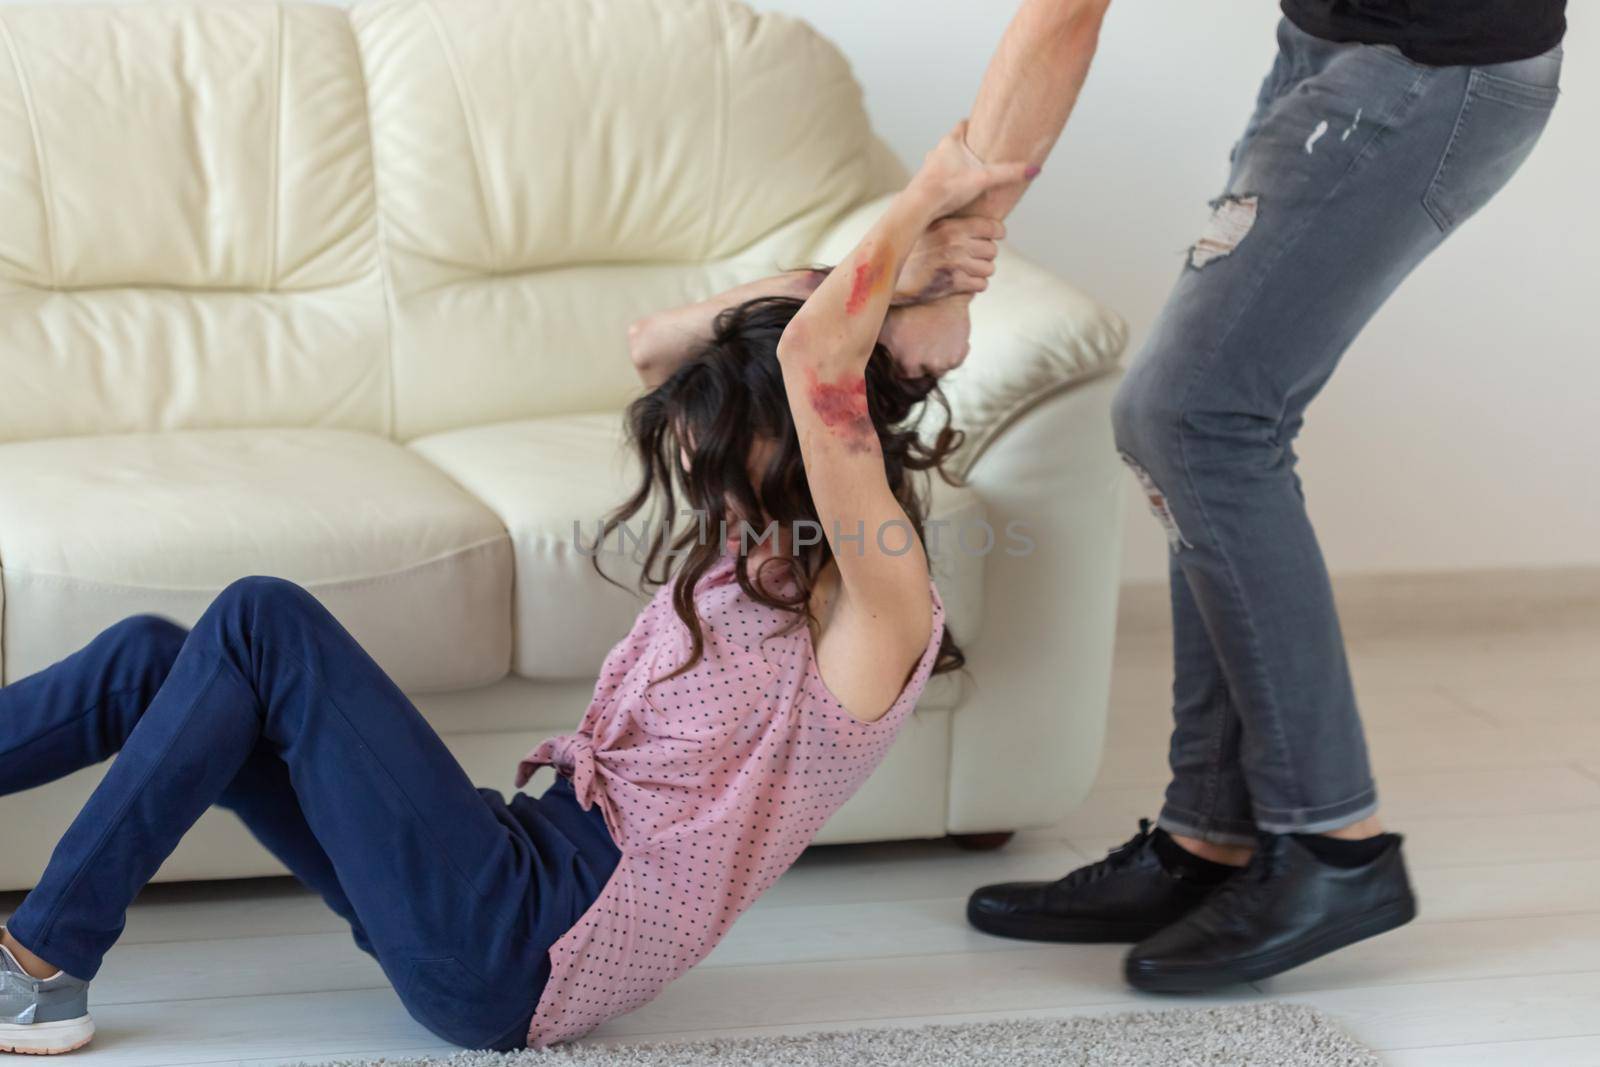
248,606
150,641
264,591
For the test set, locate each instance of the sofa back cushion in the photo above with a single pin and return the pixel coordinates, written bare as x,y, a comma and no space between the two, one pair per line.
550,169
403,217
188,234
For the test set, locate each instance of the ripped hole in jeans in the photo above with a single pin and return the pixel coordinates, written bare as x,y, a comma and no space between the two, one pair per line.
1158,504
1231,220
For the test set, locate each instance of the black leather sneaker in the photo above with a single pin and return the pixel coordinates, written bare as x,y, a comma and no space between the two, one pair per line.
1127,896
1287,908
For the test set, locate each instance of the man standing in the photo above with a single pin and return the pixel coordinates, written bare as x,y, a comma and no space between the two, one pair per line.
1382,126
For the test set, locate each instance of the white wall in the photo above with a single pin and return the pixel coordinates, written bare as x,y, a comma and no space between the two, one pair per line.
1461,430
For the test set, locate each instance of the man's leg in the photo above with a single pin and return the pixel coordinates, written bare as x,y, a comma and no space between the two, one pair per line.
1151,881
1208,826
447,892
1328,209
1208,809
1353,171
1208,802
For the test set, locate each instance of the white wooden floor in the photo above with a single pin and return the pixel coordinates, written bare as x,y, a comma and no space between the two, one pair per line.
1487,744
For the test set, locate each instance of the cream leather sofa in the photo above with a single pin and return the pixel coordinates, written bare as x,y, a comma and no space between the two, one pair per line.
342,294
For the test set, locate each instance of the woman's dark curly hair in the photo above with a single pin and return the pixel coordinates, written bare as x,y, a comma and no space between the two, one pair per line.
715,409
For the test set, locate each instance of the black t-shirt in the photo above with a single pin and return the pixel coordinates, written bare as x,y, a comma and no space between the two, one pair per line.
1439,32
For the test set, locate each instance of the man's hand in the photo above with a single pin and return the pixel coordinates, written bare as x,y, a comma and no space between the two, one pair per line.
952,177
954,255
928,338
1028,91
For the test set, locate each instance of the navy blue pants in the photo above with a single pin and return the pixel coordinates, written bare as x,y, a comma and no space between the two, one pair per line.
269,707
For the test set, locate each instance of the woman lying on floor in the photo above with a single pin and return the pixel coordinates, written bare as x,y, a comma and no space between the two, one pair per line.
753,696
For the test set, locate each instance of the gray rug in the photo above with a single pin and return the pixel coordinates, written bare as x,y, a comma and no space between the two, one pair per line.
1261,1035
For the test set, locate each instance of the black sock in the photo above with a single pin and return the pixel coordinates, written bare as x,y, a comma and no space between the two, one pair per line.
1180,863
1339,852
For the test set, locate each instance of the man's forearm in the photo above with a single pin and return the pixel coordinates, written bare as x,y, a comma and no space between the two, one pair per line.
1028,92
1030,88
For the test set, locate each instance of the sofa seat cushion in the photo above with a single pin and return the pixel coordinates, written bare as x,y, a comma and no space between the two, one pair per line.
552,480
93,529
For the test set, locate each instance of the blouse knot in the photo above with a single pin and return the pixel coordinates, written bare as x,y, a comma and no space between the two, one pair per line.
572,755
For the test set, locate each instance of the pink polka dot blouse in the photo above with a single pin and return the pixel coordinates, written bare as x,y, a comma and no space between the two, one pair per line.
712,784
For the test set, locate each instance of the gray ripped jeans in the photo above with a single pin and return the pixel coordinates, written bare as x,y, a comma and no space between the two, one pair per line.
1355,165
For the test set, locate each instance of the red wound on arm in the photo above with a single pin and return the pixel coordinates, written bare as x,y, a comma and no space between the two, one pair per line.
869,276
842,407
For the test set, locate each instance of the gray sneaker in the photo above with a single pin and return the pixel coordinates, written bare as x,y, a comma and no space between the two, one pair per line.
42,1016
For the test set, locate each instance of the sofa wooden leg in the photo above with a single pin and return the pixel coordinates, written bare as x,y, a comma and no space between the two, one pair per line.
983,842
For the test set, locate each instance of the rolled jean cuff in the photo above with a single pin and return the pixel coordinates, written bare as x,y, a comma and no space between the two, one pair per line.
77,964
1318,820
1175,820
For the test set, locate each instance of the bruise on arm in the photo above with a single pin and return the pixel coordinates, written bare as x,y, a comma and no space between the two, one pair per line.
871,274
841,405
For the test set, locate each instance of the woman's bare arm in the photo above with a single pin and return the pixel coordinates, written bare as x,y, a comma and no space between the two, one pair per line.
881,618
659,344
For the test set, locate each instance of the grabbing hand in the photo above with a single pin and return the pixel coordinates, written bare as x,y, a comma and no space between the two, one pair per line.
954,255
952,177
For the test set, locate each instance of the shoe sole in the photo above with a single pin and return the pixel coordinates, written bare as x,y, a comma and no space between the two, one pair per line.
1063,931
1158,978
46,1039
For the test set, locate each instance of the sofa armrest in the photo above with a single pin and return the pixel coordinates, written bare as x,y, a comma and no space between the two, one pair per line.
1033,336
1025,742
